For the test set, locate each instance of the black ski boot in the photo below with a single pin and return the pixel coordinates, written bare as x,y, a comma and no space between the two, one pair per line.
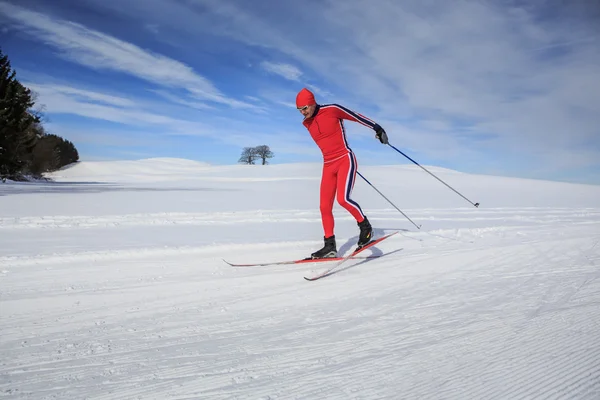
366,233
328,251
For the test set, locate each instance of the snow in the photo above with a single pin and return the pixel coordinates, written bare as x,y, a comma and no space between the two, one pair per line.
112,286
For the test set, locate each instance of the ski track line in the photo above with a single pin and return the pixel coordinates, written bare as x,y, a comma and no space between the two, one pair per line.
142,253
517,347
551,344
219,249
153,307
155,219
539,348
468,330
287,216
576,345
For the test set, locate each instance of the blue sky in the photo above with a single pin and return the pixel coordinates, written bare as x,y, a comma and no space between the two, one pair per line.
496,87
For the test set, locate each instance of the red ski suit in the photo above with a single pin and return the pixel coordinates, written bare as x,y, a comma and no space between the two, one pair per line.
326,127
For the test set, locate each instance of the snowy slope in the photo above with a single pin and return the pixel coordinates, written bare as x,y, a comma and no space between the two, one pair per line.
112,286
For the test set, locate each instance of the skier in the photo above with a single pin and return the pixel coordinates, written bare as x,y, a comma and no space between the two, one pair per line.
326,126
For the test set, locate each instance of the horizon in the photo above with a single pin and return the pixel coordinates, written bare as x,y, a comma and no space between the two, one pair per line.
488,88
165,162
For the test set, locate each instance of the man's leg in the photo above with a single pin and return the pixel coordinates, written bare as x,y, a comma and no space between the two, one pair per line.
345,183
327,197
346,179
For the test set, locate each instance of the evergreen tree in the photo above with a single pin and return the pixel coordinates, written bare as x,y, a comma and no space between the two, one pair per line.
17,140
51,153
25,147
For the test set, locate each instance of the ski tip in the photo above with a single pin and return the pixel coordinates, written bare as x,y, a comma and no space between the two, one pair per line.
315,278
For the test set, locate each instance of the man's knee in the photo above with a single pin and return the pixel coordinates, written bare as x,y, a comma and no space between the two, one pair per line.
343,202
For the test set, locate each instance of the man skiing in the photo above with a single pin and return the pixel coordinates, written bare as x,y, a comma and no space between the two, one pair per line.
326,127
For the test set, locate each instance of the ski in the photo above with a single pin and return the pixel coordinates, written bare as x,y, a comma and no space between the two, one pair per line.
328,271
301,261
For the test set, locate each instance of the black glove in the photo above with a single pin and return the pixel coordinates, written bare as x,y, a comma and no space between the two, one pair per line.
380,134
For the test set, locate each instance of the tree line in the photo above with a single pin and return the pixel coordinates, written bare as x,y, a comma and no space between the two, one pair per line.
26,149
251,154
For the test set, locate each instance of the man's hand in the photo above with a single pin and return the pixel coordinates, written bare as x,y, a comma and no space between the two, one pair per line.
381,135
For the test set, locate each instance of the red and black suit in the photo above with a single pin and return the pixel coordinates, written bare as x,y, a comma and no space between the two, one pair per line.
326,126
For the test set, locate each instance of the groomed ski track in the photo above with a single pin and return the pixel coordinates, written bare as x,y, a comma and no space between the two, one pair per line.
490,303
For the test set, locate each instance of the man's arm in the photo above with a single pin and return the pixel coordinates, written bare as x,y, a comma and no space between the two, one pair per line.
345,113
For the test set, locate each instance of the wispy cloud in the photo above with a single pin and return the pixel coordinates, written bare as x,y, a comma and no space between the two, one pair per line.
183,101
285,70
93,136
79,94
100,51
62,99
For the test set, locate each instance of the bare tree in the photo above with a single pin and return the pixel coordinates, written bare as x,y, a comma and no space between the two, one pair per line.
263,152
248,156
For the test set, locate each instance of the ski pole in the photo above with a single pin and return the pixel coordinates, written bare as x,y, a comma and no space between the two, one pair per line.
474,204
406,216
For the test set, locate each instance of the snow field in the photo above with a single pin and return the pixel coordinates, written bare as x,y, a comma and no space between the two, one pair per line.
117,290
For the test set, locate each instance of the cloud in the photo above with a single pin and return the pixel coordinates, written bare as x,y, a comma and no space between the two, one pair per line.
285,70
154,28
63,99
81,94
94,137
183,101
100,51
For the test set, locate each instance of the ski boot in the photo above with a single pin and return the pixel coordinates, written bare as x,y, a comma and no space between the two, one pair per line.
328,251
366,233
